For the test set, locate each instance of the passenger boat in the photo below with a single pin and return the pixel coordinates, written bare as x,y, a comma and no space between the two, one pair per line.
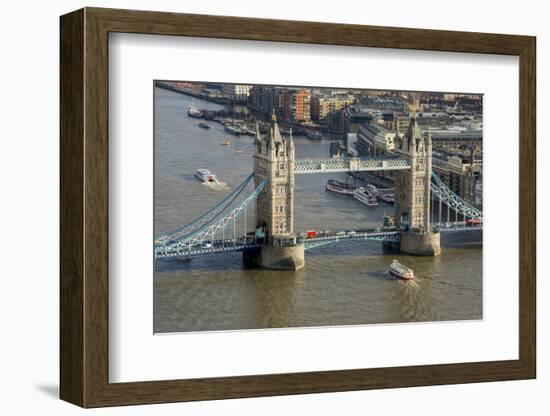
205,175
204,125
364,196
339,187
236,130
399,270
388,198
194,111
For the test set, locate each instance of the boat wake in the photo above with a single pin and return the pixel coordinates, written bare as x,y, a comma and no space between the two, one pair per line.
413,307
217,186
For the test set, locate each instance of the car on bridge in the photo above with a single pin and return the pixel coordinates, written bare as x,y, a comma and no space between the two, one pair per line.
473,222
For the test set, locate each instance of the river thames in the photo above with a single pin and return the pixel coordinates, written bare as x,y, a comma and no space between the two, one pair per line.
342,284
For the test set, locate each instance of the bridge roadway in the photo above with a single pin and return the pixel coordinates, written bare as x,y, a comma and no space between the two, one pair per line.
207,247
323,237
458,226
377,234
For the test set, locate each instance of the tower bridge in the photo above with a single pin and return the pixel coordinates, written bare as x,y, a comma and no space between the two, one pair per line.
270,241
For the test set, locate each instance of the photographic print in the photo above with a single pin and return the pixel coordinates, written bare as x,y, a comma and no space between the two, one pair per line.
301,206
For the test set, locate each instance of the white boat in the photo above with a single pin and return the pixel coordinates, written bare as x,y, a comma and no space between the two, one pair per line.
205,175
364,196
236,130
194,111
399,270
339,187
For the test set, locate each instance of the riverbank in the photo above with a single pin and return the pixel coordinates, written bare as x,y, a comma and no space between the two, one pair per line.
170,87
315,132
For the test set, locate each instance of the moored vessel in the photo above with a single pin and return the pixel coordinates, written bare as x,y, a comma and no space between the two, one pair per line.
204,125
194,111
399,270
364,196
236,130
248,131
205,175
339,187
387,197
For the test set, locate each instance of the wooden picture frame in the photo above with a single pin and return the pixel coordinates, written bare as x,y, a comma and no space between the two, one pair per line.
84,207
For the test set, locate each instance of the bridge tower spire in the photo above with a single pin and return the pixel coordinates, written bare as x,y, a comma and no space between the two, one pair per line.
274,159
412,205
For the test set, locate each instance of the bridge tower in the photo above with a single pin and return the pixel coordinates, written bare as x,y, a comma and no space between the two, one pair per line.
412,202
274,159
